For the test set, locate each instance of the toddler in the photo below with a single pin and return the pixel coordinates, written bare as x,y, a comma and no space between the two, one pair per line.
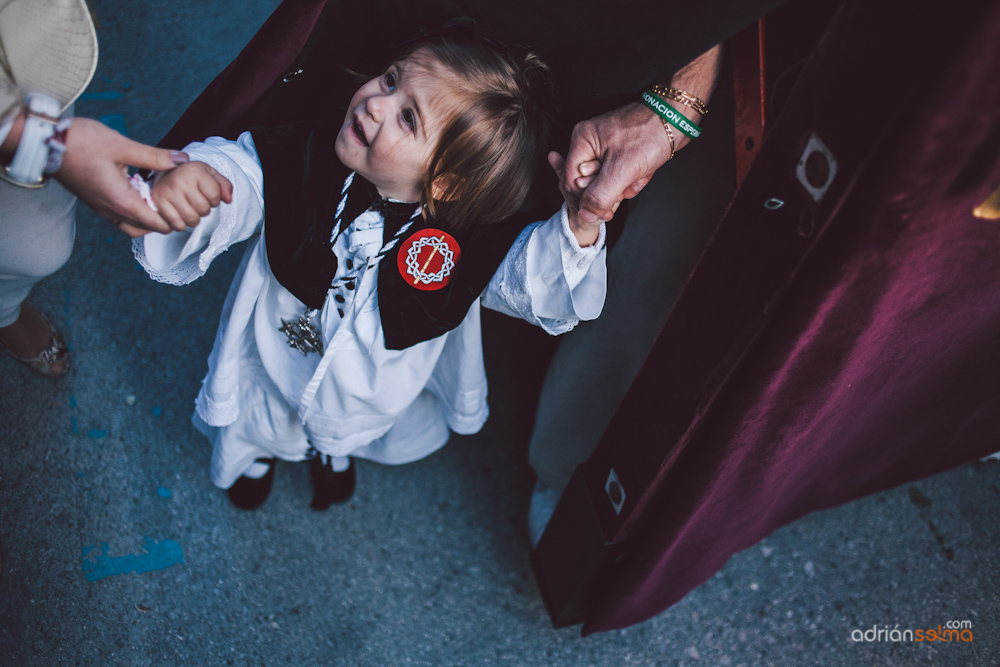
352,327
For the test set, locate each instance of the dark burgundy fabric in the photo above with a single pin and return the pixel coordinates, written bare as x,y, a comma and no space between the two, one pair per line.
824,352
265,59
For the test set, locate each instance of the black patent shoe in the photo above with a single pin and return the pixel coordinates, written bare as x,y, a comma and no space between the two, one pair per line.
330,487
248,493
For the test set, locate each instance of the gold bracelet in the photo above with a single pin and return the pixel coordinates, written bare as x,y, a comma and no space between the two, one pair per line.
670,138
684,98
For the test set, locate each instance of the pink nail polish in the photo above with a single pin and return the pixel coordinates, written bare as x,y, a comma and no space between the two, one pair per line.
178,157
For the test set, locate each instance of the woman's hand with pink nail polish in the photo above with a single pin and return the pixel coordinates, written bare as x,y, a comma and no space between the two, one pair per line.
95,169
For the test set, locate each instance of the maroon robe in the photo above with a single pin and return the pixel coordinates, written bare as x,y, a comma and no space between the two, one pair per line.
822,351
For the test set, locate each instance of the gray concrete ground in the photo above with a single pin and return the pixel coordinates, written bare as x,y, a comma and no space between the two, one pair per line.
117,550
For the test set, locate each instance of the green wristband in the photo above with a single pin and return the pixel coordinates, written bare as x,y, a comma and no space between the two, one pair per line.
671,115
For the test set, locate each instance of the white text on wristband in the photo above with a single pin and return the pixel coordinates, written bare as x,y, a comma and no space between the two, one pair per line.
671,115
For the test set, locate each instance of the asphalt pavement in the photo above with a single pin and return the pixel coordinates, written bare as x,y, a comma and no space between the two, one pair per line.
115,548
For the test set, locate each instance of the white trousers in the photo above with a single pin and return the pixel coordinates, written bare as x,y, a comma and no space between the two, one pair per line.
37,228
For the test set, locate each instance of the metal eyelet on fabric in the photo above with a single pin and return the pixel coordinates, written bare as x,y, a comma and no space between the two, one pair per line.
816,169
773,204
616,492
291,75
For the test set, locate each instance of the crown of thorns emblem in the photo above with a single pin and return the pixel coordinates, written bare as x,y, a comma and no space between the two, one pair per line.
418,268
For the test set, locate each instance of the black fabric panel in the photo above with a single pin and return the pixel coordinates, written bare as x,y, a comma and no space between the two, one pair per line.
302,183
409,315
302,187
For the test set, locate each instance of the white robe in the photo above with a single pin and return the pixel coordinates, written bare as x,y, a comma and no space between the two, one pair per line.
262,398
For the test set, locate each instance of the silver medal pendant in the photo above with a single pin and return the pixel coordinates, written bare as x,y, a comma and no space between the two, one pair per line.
302,335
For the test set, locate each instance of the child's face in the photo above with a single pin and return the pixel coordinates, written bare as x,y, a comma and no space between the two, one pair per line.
393,125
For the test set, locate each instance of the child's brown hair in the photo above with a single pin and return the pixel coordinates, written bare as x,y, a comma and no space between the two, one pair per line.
490,146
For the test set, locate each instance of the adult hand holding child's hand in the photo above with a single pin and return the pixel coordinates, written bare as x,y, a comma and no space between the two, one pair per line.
586,232
95,169
626,147
630,143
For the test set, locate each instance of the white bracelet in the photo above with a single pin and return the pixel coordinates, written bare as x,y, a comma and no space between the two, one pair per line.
28,166
57,146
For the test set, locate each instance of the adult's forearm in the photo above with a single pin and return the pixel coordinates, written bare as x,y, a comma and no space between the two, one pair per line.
699,78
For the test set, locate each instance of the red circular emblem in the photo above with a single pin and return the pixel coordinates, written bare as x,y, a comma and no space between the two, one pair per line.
428,259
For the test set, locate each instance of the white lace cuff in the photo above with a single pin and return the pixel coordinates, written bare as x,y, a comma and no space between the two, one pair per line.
179,258
548,279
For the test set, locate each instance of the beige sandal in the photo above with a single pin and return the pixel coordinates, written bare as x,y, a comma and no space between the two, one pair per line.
54,353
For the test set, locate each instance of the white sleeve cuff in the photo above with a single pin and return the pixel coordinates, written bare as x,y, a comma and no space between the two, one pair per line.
548,279
576,258
179,258
566,282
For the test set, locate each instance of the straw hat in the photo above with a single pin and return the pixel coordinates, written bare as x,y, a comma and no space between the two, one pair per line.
48,46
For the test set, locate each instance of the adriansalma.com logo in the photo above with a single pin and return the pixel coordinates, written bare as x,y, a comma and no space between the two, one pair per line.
952,631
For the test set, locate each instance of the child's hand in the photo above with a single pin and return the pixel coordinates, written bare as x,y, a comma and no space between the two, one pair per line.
188,192
586,233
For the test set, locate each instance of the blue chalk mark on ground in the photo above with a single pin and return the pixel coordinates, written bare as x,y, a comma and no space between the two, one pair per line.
104,97
157,411
73,420
163,492
72,401
97,433
108,241
81,474
159,556
115,121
